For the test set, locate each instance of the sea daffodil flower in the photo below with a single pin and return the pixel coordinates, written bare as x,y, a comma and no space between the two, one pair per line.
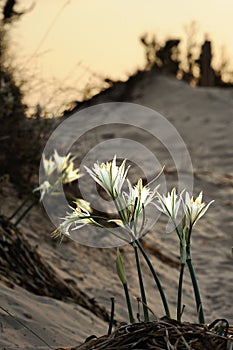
109,176
44,188
169,205
57,167
49,165
194,209
70,174
137,199
61,162
79,217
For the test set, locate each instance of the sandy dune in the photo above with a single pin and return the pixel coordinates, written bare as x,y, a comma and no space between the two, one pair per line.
204,119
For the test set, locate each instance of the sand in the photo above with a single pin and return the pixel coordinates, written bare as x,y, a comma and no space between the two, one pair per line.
204,119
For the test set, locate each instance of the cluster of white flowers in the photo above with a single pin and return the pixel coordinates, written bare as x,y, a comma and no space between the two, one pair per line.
182,209
55,168
131,204
193,209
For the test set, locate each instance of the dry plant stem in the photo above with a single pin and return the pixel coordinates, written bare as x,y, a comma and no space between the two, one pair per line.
156,278
129,306
111,316
199,307
142,289
24,325
26,211
179,297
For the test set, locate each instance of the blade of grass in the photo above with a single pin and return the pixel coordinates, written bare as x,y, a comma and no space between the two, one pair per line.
25,326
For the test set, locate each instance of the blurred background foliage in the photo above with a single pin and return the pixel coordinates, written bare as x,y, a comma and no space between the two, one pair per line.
22,138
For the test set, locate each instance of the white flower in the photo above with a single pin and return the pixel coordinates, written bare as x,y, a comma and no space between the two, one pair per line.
83,204
109,176
44,188
137,199
70,174
49,165
61,162
57,167
194,209
169,205
130,205
62,230
79,217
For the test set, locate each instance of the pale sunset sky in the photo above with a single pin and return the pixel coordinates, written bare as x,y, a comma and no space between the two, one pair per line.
66,40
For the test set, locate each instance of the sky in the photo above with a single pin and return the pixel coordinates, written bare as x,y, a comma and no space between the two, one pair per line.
70,41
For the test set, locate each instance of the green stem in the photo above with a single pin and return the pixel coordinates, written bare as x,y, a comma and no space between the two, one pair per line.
25,212
21,206
200,311
120,209
142,289
156,278
128,302
179,297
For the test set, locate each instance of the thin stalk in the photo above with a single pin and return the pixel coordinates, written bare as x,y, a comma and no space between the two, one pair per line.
117,235
156,278
21,206
120,209
199,307
25,212
25,326
143,218
128,302
142,289
179,297
111,316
